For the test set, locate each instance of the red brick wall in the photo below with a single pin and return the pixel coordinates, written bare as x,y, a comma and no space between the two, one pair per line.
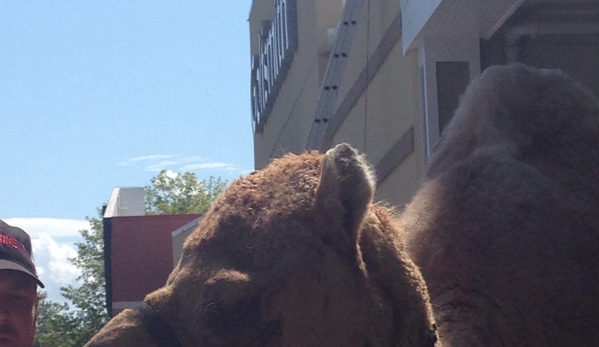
142,254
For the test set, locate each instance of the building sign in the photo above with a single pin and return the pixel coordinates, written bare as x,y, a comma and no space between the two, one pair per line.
278,41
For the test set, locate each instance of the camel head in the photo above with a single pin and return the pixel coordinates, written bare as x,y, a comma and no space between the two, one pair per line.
295,255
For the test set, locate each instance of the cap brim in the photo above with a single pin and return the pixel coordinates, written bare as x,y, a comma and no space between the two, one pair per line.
9,265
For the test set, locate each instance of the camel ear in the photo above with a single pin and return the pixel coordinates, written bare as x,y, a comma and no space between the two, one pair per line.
344,193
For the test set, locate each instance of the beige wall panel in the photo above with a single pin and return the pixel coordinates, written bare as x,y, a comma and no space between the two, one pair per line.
387,13
382,14
352,129
291,117
297,113
401,185
393,105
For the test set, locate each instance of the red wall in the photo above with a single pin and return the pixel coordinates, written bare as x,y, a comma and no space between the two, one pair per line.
142,253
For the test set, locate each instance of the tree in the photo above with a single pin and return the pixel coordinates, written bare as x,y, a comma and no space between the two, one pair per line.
64,325
53,321
173,193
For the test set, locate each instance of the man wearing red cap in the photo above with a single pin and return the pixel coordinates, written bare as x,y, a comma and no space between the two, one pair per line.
18,288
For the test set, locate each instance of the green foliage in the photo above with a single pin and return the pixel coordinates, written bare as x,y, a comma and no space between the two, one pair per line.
181,193
54,320
63,326
72,325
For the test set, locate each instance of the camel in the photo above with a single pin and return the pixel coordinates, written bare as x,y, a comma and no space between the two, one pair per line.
505,227
294,255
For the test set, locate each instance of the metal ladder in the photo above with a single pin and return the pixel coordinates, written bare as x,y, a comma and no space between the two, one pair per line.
344,39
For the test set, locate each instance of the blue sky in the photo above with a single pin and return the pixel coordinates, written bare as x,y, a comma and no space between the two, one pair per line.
102,94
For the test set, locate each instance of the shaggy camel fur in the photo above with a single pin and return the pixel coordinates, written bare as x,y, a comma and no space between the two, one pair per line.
295,255
505,228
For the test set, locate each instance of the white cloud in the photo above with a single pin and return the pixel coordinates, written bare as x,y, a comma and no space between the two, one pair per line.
52,260
147,158
152,157
171,174
53,227
209,165
53,241
192,159
158,162
159,166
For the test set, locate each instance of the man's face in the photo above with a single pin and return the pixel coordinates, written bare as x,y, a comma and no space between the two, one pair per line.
18,309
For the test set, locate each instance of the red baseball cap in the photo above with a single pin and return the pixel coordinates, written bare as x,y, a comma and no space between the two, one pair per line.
15,251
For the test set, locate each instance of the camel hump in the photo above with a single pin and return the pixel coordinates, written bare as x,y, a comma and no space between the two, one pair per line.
344,193
534,106
521,112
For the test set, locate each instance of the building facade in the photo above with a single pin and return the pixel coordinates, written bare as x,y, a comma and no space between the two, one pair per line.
386,75
140,251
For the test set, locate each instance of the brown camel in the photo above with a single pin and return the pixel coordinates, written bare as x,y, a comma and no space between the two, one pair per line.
295,255
505,228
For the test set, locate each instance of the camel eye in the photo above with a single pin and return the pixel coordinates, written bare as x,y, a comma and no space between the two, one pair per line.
228,304
222,316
